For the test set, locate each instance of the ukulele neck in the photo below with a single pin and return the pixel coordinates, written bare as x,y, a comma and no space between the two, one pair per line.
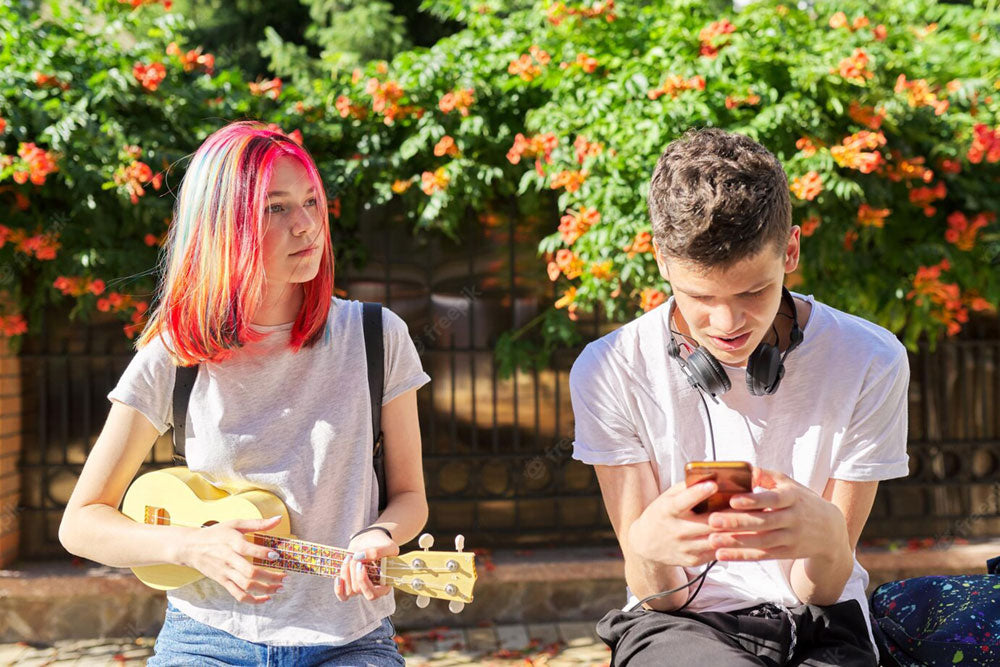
307,557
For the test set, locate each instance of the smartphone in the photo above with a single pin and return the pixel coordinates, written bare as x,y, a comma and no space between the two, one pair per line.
733,477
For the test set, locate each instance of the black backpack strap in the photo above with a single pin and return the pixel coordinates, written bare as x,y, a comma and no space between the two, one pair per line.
371,319
183,383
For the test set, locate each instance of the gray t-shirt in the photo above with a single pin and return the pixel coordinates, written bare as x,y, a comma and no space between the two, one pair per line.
296,424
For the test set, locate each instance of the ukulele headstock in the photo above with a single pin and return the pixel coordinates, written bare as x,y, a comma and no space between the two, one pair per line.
446,575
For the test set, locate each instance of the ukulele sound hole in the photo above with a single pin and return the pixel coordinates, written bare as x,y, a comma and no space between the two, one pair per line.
157,516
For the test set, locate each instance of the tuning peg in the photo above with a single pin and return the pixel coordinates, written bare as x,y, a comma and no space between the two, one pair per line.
426,541
459,542
423,601
456,606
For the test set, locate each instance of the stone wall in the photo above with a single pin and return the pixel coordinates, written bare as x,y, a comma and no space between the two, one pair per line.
10,454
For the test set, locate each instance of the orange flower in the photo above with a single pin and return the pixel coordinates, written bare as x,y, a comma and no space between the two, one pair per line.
750,100
558,11
575,224
713,37
674,85
985,144
926,196
945,299
149,76
150,240
857,151
431,182
650,298
269,88
192,59
860,22
571,180
838,20
950,166
586,149
134,176
567,301
460,98
918,93
870,117
446,147
586,63
345,108
49,81
602,270
809,225
806,145
872,217
13,325
42,246
529,66
641,244
539,147
35,165
880,33
385,98
850,236
401,186
855,67
3,125
911,169
962,233
553,271
807,187
570,265
78,285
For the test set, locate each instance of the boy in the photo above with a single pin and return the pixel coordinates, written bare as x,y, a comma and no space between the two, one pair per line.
787,589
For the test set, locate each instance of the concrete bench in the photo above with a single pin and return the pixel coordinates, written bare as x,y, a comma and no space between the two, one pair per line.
45,602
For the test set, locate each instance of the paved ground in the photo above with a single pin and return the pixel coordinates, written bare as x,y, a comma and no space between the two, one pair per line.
553,645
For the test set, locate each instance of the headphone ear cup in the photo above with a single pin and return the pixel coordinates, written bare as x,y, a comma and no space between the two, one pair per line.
764,370
709,372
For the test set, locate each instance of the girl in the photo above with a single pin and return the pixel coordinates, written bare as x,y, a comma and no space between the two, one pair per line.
281,403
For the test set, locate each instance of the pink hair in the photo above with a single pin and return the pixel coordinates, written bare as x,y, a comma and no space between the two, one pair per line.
214,270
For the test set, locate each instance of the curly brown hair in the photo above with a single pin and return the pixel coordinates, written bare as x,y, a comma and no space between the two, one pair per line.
717,198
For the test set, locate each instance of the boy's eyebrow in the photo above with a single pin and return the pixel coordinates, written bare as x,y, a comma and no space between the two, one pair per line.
283,193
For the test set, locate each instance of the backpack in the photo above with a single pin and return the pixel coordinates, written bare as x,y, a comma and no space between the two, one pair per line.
371,320
939,620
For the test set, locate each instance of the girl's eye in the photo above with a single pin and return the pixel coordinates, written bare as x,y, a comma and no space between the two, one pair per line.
275,208
312,202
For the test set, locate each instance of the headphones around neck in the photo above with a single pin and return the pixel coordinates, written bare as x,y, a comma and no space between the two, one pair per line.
765,367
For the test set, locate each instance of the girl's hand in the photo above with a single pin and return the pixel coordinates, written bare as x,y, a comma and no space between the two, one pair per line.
368,548
220,552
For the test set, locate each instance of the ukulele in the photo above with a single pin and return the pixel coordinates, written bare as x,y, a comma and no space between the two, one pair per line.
176,496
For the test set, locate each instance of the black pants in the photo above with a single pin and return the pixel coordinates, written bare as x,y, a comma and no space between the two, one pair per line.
834,636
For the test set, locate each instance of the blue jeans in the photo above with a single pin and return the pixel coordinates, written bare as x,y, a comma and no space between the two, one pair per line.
185,641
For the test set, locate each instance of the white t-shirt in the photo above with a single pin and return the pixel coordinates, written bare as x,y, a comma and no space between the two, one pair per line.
840,412
296,424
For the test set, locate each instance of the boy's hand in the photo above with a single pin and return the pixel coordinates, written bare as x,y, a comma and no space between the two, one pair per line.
668,531
785,521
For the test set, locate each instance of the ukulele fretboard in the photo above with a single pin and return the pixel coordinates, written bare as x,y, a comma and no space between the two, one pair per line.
306,557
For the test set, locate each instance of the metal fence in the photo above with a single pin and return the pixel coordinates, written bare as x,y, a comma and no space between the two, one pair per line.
497,451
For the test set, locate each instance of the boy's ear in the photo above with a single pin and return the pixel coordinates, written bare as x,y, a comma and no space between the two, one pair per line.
792,249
